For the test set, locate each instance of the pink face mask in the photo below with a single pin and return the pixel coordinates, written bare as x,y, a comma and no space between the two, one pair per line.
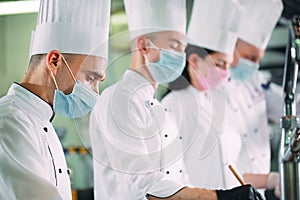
214,78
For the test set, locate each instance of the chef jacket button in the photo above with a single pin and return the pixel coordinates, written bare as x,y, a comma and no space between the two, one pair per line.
59,170
166,109
245,134
252,159
235,110
255,130
249,106
167,172
263,155
45,129
180,171
180,137
69,171
166,135
151,103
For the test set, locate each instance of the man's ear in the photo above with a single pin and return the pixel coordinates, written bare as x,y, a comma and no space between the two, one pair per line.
193,60
142,45
53,60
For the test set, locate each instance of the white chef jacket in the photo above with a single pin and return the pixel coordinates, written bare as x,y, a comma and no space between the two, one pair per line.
254,102
32,163
201,115
135,151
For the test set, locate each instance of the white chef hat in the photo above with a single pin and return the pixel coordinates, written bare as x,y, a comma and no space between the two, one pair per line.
214,24
258,21
72,26
148,16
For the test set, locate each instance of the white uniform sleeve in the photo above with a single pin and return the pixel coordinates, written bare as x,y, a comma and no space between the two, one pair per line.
274,98
275,102
22,170
121,158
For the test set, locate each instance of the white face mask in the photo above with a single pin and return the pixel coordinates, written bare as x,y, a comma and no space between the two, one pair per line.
77,104
168,68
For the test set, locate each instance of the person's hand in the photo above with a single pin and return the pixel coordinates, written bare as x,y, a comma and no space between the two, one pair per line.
245,192
274,183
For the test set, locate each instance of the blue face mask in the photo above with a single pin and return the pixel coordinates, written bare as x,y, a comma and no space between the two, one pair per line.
168,68
77,104
244,70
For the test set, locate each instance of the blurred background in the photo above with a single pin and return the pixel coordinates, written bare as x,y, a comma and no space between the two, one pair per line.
18,19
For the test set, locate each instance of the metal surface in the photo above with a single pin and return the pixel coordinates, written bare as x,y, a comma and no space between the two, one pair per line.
289,152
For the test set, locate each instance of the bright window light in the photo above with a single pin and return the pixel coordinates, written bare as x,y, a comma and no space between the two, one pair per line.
19,7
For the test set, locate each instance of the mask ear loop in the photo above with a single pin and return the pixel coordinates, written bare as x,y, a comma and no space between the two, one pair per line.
55,83
154,47
151,43
68,68
146,59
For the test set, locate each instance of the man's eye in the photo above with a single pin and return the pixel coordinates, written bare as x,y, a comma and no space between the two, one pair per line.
174,46
90,78
219,65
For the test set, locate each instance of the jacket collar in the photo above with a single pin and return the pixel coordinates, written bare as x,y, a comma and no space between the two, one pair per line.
32,102
137,82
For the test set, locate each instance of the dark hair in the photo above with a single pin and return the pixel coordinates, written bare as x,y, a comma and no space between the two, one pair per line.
35,60
185,80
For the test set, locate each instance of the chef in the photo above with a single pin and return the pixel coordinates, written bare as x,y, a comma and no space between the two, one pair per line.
68,58
210,142
254,100
136,153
